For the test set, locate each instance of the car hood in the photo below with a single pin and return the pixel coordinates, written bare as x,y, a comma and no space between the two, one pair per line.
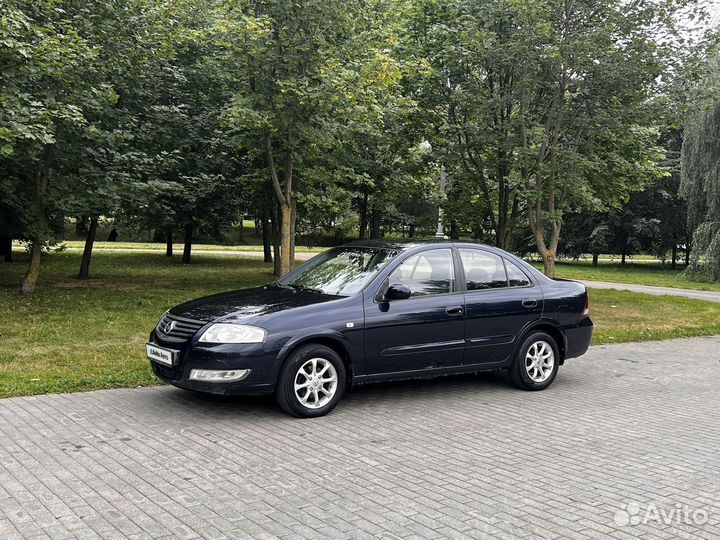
248,303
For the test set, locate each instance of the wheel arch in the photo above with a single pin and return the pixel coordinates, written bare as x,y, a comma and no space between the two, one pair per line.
553,331
336,343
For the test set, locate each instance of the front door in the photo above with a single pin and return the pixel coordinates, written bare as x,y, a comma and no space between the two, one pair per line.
500,301
424,331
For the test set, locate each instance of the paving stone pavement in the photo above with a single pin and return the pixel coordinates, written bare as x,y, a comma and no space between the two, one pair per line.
624,430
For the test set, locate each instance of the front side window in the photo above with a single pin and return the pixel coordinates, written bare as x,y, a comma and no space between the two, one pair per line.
429,272
483,270
341,272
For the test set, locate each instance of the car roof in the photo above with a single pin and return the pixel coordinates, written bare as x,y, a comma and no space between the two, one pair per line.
405,244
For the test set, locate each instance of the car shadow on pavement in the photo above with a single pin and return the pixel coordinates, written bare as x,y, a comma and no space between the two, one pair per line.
404,391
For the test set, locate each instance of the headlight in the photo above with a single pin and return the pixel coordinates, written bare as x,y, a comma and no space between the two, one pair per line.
233,333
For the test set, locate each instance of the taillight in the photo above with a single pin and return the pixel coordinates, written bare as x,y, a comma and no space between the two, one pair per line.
586,309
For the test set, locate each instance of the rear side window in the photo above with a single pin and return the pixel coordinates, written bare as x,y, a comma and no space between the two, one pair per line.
429,272
516,277
483,270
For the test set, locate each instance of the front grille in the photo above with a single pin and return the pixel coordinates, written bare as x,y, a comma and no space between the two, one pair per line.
172,328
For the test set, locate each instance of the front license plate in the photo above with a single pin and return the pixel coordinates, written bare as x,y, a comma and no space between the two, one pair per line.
158,354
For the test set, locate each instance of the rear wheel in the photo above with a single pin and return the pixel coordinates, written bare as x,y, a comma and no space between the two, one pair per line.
311,382
536,362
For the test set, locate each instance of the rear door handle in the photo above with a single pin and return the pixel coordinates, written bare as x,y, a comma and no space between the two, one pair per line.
454,310
529,303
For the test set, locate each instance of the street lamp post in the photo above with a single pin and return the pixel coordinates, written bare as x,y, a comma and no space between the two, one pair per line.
440,232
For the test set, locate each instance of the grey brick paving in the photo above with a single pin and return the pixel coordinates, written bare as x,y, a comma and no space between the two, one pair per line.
463,457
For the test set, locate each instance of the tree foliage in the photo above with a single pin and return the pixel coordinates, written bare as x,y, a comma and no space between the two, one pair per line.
339,115
701,178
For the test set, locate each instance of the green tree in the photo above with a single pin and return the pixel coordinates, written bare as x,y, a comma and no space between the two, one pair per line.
306,70
47,87
700,184
185,178
587,131
544,106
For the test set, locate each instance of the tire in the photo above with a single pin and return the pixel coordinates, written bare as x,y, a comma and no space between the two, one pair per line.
530,370
319,374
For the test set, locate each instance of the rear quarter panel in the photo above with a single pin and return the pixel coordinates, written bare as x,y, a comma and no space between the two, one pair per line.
564,304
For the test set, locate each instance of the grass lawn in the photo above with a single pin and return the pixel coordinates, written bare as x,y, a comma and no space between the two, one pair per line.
77,335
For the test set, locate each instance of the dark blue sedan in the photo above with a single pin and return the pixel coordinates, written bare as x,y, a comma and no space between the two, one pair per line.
372,311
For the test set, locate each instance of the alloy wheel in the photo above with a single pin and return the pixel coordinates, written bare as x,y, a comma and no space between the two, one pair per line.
539,361
315,383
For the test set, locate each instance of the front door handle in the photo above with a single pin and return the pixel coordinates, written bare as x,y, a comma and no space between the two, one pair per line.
529,303
454,310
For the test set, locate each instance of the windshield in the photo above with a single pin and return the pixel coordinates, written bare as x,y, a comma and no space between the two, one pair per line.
341,271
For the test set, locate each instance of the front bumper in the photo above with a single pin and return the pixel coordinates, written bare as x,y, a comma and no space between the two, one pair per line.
261,363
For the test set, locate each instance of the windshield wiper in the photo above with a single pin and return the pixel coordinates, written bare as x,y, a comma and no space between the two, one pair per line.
305,288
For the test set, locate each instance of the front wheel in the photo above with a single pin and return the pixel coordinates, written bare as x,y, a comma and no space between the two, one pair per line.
536,363
311,382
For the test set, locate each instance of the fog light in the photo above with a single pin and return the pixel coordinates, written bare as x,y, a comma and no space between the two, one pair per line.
216,375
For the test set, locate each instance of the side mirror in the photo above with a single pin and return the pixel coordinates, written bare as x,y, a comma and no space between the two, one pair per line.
397,292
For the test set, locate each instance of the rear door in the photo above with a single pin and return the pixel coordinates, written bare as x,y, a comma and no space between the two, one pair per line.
500,301
424,331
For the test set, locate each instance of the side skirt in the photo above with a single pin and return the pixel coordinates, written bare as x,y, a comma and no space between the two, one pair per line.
431,373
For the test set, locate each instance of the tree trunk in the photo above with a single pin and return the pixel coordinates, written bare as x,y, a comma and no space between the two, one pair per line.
275,229
673,264
293,224
87,252
622,258
411,230
169,243
454,230
286,201
42,167
285,239
549,264
267,247
277,260
596,258
28,285
546,249
6,246
687,255
502,239
363,216
375,222
187,249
